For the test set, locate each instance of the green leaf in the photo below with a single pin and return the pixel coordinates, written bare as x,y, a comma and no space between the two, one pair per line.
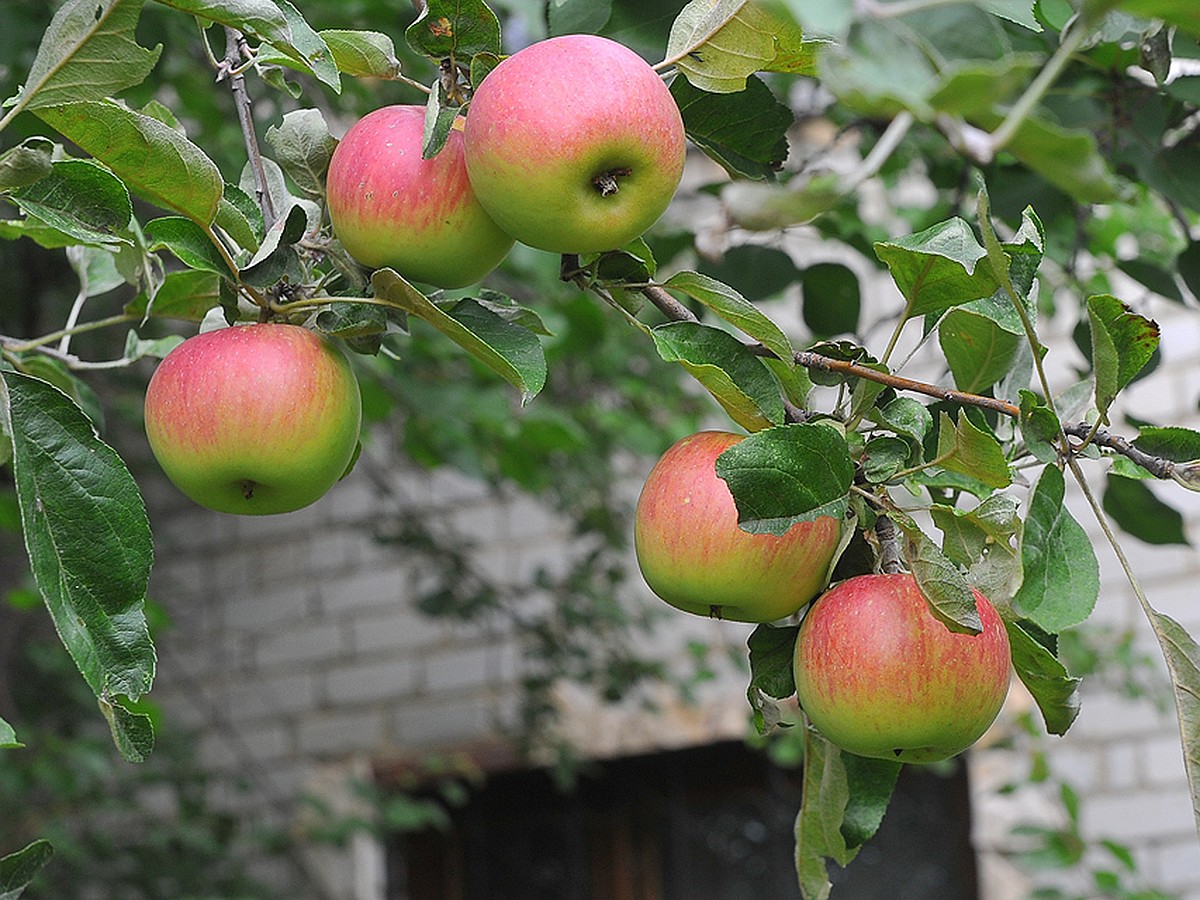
458,28
188,242
577,16
879,71
726,368
29,161
871,783
96,268
1053,689
1039,428
789,474
634,262
772,652
968,450
745,133
937,268
86,533
698,21
513,352
133,733
353,320
979,347
81,199
772,671
1183,663
154,348
18,869
8,737
905,416
1019,11
365,54
989,528
832,299
1172,442
508,309
303,147
240,218
439,118
56,373
187,294
309,46
942,584
1183,13
277,23
720,59
1122,343
844,801
1134,507
734,309
276,259
768,207
259,18
1062,577
1070,159
975,87
884,456
794,55
87,53
154,160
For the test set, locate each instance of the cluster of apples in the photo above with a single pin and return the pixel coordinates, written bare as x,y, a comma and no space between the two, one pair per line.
876,671
572,145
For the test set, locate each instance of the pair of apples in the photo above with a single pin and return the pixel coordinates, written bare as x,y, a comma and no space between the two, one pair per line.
573,145
876,671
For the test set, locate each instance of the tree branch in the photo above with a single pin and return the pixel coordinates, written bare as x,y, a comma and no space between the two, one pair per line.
236,51
677,312
1156,466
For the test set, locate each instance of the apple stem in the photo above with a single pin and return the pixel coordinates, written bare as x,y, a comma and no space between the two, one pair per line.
606,182
248,489
714,611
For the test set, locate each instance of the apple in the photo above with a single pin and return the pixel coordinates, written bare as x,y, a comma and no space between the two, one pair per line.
574,144
694,556
880,675
390,207
254,419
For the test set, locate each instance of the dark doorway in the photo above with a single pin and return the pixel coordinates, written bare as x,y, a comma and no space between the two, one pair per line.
706,823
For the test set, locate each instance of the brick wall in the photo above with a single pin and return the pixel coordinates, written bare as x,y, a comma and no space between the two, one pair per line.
296,650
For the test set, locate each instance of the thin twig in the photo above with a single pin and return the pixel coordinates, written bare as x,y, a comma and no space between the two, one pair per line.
77,256
236,50
1155,465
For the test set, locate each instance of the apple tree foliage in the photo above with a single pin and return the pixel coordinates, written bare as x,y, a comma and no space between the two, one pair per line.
1049,130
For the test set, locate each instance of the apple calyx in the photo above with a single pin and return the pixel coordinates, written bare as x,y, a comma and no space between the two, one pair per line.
606,182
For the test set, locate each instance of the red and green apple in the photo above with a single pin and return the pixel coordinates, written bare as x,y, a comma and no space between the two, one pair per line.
880,675
389,207
695,557
574,144
254,419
